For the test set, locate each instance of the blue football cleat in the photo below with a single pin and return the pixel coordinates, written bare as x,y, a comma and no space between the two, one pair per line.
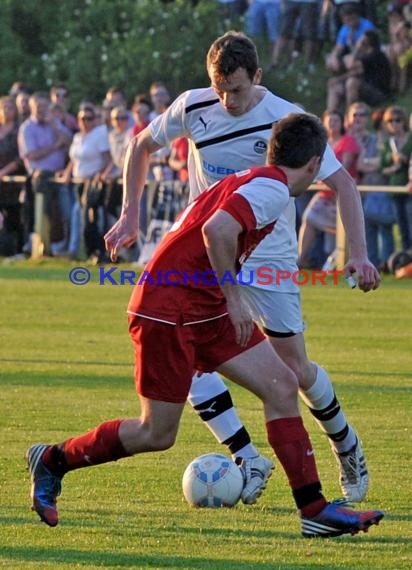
46,486
336,519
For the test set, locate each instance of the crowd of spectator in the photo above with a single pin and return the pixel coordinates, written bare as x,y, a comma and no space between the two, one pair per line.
376,148
369,64
72,164
61,174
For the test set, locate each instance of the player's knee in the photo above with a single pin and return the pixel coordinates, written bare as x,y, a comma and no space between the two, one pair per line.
162,441
301,368
290,385
280,395
284,385
156,439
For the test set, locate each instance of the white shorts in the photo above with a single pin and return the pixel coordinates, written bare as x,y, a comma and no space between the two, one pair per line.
275,312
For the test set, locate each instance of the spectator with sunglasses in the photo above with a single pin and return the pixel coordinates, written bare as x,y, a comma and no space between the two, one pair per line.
378,207
119,137
395,157
89,157
115,97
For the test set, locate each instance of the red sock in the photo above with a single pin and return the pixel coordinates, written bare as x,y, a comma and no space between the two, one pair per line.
100,445
292,446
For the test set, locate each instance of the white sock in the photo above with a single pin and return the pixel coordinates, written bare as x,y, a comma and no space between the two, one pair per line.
326,409
211,400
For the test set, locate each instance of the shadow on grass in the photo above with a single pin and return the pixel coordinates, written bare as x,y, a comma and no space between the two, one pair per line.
35,273
55,271
348,373
65,378
109,558
362,387
74,362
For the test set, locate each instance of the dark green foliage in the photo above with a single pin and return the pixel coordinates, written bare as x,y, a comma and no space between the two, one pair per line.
92,44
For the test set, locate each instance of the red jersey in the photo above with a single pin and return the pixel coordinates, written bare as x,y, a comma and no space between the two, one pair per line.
178,286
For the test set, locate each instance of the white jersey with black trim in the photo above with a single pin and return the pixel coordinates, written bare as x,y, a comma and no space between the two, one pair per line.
220,144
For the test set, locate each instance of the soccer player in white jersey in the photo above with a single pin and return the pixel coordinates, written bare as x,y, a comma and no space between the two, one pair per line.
228,126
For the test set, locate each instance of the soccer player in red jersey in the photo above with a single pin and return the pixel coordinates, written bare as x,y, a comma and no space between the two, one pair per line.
228,126
190,314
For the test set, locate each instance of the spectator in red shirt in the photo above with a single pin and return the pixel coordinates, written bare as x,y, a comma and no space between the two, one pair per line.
178,158
320,214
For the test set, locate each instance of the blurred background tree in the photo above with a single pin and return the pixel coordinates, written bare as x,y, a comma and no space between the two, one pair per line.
92,44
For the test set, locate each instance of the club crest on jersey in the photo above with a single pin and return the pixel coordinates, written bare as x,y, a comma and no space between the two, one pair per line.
260,147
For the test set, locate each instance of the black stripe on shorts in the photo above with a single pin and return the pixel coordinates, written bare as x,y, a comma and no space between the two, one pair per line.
275,334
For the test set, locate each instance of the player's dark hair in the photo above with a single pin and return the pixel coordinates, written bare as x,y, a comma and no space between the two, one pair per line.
296,139
232,51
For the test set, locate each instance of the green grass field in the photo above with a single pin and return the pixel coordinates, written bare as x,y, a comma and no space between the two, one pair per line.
66,365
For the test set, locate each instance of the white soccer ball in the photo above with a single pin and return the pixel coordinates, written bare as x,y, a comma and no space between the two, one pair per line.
212,480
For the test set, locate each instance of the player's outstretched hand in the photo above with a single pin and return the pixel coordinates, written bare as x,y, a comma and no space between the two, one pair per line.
123,234
367,274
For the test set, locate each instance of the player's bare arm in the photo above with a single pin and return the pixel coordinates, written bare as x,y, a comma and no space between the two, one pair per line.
352,217
220,235
136,165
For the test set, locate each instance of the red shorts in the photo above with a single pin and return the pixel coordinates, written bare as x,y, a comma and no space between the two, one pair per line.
166,356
